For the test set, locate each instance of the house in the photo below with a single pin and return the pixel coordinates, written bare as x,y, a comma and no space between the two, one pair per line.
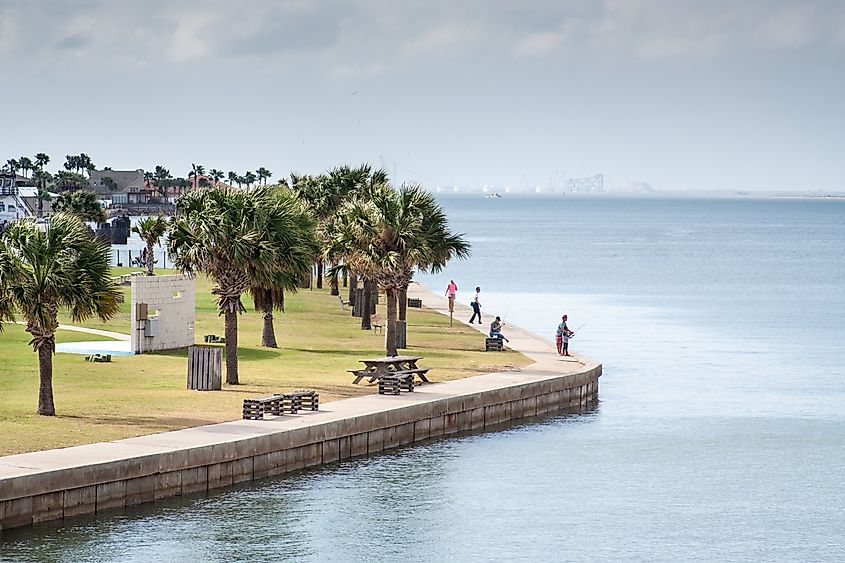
121,187
13,198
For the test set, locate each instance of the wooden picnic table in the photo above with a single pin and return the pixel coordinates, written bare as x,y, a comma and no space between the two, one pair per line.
389,365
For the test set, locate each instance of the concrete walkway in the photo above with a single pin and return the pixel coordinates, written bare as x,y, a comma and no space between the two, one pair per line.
97,331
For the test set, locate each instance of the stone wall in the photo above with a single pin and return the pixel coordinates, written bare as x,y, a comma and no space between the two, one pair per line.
156,471
171,300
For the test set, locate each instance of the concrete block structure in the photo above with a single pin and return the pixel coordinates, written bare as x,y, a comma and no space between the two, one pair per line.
163,313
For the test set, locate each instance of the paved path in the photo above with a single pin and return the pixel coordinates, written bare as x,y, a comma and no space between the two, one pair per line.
538,349
97,331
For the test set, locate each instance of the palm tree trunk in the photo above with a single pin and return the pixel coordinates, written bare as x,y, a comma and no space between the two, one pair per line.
319,274
230,324
367,305
150,260
45,372
268,333
353,287
403,304
391,322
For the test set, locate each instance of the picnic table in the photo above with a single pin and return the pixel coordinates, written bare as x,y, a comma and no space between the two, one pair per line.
389,365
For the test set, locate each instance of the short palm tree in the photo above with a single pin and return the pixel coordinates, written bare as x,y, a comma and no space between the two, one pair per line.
82,203
41,272
151,229
240,239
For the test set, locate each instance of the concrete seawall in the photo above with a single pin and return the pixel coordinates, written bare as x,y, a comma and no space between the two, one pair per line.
49,485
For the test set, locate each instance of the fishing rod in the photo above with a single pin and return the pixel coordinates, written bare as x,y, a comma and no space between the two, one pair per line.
585,324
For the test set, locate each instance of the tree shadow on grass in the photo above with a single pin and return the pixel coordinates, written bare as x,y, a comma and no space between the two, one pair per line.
243,353
157,423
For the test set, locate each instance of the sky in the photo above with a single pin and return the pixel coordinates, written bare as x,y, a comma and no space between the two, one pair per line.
681,94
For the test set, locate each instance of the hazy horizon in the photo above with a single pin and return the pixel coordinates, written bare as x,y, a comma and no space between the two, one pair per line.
680,95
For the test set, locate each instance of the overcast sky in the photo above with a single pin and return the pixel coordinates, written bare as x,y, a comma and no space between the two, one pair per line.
681,94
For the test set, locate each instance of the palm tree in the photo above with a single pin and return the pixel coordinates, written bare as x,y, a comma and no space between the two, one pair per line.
249,178
268,293
197,171
216,175
239,238
232,178
384,234
263,175
82,203
43,271
67,180
162,180
13,166
41,160
151,229
26,165
42,178
85,163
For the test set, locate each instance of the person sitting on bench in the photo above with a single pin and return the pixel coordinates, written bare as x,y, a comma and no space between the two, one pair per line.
496,329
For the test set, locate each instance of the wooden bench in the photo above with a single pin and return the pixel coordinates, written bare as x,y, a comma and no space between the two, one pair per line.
414,302
98,358
360,374
419,372
305,399
394,383
494,345
254,409
213,339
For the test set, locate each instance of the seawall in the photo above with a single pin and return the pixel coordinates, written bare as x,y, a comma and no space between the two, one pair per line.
49,485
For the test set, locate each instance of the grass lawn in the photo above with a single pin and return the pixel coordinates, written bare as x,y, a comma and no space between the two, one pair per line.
144,394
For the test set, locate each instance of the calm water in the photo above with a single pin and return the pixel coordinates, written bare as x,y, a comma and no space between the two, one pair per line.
720,434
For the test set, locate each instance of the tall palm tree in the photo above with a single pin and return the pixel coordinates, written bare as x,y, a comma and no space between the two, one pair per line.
26,165
13,166
216,175
268,292
44,271
151,229
263,175
82,203
86,164
41,160
249,178
42,178
162,180
232,178
71,163
239,238
197,171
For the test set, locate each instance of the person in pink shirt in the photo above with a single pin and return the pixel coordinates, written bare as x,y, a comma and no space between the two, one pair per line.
451,290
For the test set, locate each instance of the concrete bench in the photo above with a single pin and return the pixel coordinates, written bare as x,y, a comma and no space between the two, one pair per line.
254,409
213,339
494,345
414,302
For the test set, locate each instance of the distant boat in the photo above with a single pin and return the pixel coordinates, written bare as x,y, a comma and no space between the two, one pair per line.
493,195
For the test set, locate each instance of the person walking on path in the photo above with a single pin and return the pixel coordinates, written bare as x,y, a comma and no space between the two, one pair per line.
476,306
562,337
451,290
496,329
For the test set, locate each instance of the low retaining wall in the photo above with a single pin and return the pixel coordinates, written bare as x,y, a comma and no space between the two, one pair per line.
138,470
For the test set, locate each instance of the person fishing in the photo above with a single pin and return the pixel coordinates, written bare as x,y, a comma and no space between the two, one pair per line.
496,329
562,336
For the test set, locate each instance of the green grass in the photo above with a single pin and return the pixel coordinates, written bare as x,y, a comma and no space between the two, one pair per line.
135,395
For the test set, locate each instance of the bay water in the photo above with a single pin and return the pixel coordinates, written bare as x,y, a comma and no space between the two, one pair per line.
719,434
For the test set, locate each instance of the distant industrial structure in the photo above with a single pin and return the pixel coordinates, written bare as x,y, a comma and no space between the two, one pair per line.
590,184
